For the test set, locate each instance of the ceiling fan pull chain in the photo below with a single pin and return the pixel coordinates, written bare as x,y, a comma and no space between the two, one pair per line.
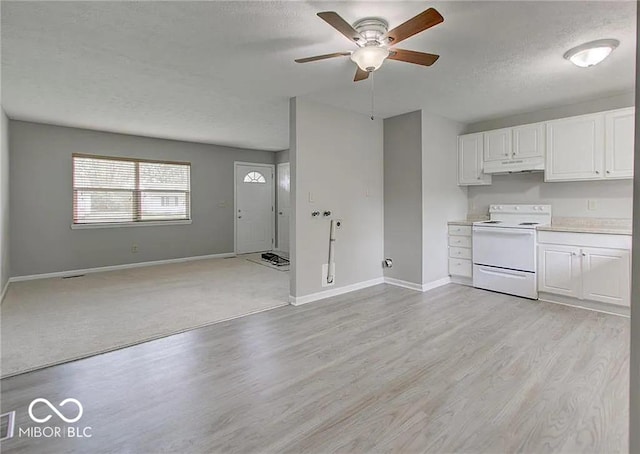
372,99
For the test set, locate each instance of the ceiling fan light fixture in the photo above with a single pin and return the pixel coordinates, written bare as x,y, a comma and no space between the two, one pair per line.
591,53
370,58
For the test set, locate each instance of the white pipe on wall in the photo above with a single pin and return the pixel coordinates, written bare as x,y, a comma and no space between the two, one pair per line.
331,268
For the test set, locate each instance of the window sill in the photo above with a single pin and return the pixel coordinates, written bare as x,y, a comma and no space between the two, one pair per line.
128,224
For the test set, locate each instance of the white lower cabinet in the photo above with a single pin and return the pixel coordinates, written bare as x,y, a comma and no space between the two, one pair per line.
586,272
606,275
460,253
559,270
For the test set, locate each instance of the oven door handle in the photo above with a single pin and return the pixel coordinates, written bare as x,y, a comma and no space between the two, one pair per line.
503,231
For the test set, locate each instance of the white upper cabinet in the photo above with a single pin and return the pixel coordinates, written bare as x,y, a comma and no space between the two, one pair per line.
470,155
528,141
497,145
575,148
619,131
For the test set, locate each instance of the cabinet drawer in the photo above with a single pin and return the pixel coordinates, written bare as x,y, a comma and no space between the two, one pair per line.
460,253
459,241
462,230
460,267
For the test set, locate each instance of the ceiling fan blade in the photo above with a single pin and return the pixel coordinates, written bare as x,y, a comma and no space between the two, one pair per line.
411,56
417,24
360,75
322,57
332,18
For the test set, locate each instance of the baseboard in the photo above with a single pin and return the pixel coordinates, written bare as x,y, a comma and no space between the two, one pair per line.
403,284
435,284
584,304
417,287
298,300
119,267
462,280
4,291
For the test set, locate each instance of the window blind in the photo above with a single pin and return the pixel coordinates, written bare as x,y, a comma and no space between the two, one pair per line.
117,190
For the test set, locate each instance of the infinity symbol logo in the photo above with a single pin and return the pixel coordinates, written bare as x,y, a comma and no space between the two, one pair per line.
55,410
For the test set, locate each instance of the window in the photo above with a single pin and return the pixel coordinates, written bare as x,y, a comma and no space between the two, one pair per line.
254,177
122,190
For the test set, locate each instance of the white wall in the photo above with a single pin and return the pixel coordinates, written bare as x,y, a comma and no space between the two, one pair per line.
634,388
442,199
569,199
403,196
337,157
4,200
41,200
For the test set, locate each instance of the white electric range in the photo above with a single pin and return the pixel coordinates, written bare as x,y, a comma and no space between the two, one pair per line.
505,249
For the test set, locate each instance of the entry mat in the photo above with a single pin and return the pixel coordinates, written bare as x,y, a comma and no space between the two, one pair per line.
271,260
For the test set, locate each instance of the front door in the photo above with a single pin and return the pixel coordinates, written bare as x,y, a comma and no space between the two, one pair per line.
254,208
284,192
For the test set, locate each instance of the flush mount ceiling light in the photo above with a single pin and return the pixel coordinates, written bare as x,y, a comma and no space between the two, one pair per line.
369,58
591,53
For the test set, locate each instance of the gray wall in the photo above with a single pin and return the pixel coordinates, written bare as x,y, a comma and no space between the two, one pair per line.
442,199
634,388
282,156
4,200
337,157
403,196
613,198
41,200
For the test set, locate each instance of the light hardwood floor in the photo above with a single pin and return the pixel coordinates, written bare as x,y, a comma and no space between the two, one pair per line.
380,370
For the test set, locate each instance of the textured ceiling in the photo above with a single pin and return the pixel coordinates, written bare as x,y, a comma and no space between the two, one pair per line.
222,72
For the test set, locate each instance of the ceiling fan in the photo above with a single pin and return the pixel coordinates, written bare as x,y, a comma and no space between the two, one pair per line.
373,38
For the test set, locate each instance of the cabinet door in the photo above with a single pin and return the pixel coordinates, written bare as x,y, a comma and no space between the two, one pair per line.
619,132
575,148
559,269
528,141
470,148
497,145
606,275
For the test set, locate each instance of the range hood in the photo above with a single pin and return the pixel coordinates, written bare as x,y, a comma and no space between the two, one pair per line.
535,163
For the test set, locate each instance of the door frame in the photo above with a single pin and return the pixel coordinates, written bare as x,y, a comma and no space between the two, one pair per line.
272,167
276,183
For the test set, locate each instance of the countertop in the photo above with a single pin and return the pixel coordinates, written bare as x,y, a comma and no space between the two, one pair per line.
465,222
589,225
574,225
585,229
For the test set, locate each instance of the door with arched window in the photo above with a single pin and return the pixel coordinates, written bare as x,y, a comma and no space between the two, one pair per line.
254,207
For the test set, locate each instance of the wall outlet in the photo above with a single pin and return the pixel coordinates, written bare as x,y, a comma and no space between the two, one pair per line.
592,205
325,272
134,249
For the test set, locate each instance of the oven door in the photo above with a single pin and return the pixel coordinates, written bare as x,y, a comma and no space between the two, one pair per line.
503,247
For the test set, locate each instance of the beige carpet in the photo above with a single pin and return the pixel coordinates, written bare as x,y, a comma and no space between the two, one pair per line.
49,321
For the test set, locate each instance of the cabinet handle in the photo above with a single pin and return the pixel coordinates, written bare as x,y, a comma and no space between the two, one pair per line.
597,172
584,255
574,254
608,171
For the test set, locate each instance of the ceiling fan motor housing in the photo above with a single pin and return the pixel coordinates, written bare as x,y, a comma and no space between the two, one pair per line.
372,29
